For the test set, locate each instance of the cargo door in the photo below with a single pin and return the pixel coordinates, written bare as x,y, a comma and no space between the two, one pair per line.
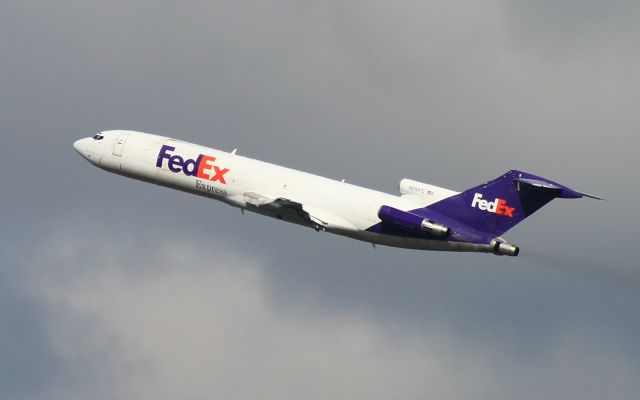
119,145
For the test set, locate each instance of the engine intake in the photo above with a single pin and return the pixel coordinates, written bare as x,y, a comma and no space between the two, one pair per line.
411,222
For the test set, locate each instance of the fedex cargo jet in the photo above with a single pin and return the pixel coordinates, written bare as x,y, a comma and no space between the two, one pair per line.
423,217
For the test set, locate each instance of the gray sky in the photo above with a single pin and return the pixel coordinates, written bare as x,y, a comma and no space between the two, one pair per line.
111,288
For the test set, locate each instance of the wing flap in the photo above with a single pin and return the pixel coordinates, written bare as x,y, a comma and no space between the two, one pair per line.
282,208
293,211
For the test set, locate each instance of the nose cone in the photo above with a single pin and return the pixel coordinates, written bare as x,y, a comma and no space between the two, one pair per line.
80,146
87,149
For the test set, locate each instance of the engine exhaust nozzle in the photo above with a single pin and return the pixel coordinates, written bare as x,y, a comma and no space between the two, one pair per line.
504,249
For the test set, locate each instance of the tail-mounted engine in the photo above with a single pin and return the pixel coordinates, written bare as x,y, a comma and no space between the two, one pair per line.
503,248
411,222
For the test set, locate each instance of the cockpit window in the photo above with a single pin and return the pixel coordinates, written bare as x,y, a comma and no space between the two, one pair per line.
98,137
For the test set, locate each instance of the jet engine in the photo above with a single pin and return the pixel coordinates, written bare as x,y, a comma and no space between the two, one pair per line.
502,248
411,222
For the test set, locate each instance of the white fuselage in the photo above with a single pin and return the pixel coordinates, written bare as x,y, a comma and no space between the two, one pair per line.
340,207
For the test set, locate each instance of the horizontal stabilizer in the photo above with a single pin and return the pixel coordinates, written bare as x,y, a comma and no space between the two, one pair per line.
592,196
537,185
551,188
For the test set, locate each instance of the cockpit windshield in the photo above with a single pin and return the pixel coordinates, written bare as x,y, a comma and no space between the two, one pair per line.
98,137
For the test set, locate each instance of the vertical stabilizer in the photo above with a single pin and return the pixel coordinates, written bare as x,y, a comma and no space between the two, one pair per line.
498,205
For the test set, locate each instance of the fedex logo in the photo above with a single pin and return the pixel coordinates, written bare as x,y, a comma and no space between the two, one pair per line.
202,167
498,206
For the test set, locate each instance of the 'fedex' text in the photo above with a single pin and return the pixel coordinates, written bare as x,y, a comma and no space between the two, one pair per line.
202,167
498,206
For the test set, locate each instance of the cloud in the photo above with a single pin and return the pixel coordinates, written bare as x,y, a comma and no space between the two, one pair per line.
196,324
576,25
28,364
164,318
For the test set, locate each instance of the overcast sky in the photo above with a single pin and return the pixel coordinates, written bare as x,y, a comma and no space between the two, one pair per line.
116,289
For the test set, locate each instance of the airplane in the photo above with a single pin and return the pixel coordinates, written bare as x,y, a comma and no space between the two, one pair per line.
424,216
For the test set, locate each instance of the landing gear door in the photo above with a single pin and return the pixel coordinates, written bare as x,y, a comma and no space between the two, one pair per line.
119,145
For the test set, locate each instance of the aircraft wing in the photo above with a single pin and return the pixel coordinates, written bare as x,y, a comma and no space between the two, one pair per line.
294,211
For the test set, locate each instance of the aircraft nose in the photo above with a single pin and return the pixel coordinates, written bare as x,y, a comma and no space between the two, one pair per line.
81,146
77,145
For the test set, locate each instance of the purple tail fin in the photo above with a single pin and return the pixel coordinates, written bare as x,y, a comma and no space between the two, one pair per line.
500,204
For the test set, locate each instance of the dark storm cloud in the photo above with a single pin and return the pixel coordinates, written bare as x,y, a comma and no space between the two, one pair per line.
452,93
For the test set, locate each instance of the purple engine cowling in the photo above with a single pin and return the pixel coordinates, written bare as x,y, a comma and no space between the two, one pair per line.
411,222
